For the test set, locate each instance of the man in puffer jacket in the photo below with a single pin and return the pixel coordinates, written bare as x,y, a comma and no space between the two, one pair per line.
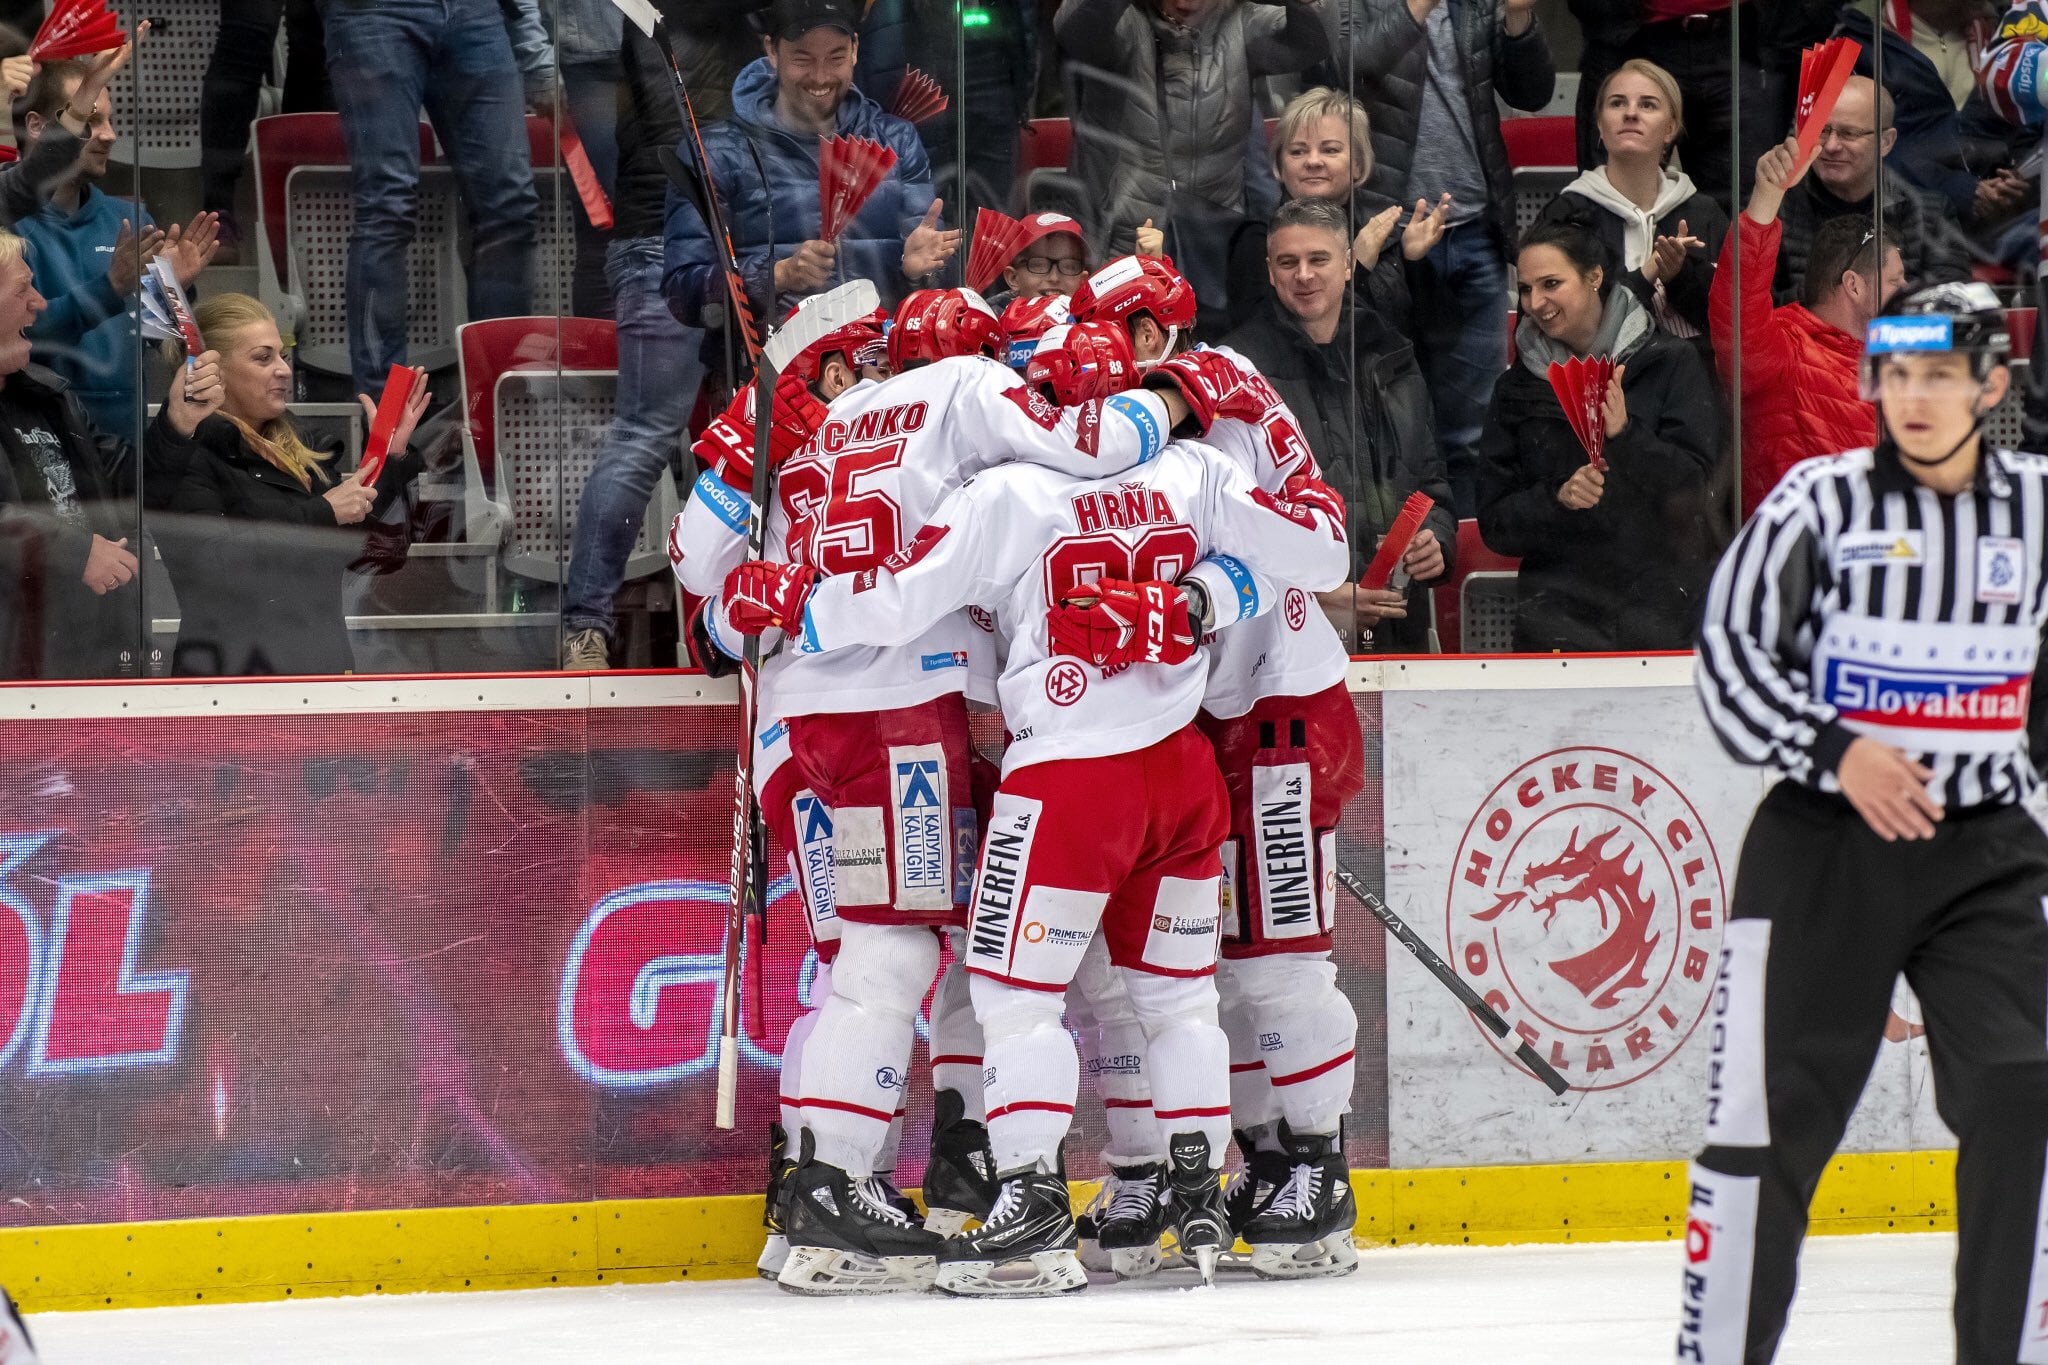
1200,56
1800,392
1427,72
765,163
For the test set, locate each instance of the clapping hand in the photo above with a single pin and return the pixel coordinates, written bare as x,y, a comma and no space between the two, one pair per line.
415,408
1426,228
1615,408
1667,255
1372,238
191,249
132,255
929,246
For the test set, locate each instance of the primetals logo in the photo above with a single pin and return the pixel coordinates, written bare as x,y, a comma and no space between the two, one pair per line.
1587,907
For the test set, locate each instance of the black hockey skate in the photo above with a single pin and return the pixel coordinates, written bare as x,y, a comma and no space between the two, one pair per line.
1120,1232
1305,1231
775,1250
1246,1193
845,1237
960,1178
1023,1249
1201,1226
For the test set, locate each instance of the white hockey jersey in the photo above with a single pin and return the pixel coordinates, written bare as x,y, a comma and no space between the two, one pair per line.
1019,538
1292,650
859,494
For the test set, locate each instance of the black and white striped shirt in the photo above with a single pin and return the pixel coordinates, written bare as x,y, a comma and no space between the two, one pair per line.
1859,602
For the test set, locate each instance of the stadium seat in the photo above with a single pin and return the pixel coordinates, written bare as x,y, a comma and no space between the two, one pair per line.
1475,607
1543,159
531,433
304,215
159,108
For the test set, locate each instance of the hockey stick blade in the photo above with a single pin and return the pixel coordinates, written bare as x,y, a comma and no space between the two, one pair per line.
816,318
1438,968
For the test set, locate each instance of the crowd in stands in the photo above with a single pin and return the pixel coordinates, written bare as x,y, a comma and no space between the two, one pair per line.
1332,176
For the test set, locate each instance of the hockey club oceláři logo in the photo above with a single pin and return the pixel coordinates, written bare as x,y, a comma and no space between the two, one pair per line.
1586,905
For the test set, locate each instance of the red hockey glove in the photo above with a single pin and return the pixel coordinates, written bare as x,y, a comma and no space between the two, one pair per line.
1214,387
1126,623
1306,490
727,444
761,594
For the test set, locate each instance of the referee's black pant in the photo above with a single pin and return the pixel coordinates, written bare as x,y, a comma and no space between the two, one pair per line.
1825,916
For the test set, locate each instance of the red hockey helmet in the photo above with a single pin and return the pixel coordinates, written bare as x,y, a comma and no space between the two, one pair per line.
936,324
1026,321
1130,285
1083,360
859,341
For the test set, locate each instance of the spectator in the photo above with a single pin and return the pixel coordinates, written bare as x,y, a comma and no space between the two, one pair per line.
587,34
1353,384
1613,561
17,69
266,533
26,183
233,82
1653,219
388,58
1162,114
783,105
89,249
1800,392
1428,72
67,504
1052,256
1322,149
1844,182
661,362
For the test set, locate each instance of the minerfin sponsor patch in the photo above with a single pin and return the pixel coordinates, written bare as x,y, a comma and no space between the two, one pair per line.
999,884
923,816
1284,852
1867,549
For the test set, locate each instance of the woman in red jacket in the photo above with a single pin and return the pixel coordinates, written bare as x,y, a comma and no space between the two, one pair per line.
1799,363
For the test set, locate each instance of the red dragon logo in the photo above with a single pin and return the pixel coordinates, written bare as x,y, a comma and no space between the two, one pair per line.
1597,872
1586,906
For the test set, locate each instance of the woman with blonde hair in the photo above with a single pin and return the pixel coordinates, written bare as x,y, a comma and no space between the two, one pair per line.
1656,222
264,530
1322,149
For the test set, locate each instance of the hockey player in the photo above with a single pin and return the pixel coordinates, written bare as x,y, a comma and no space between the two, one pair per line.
1025,321
1873,633
1019,539
1287,740
707,538
881,735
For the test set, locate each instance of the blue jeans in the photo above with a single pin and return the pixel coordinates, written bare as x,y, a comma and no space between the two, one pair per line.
387,58
659,371
1464,349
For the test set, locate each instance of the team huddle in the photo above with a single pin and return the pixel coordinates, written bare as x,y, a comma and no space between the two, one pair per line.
1072,514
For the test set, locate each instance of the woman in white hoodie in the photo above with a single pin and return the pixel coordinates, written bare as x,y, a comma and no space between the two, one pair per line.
1665,232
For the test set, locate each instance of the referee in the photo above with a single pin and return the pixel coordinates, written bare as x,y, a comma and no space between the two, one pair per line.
1872,633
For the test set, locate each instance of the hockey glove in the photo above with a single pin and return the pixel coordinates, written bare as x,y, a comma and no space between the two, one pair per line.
1114,623
727,444
1214,387
1306,490
760,595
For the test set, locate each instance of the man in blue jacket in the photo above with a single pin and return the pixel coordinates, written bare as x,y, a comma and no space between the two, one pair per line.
784,104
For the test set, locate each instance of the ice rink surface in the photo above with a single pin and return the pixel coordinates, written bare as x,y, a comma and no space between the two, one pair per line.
1872,1300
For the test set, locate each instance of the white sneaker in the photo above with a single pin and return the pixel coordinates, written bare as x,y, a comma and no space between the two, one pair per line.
586,651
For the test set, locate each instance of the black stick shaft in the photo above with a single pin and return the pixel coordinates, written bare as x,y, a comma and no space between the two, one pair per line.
1441,970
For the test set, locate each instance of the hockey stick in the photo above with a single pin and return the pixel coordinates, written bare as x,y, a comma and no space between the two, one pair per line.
817,318
1441,970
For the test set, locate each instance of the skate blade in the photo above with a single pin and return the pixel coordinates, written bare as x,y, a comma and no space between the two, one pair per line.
774,1255
824,1272
948,1222
1041,1275
1205,1263
1334,1255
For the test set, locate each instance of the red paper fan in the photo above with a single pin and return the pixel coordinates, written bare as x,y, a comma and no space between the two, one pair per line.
76,28
1380,572
850,169
398,389
993,247
1823,71
918,97
1581,388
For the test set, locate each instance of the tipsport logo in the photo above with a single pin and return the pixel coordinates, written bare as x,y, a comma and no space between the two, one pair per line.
75,995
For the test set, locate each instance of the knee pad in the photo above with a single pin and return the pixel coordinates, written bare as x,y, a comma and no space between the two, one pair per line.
885,968
1105,998
1163,1002
1256,983
1011,1011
